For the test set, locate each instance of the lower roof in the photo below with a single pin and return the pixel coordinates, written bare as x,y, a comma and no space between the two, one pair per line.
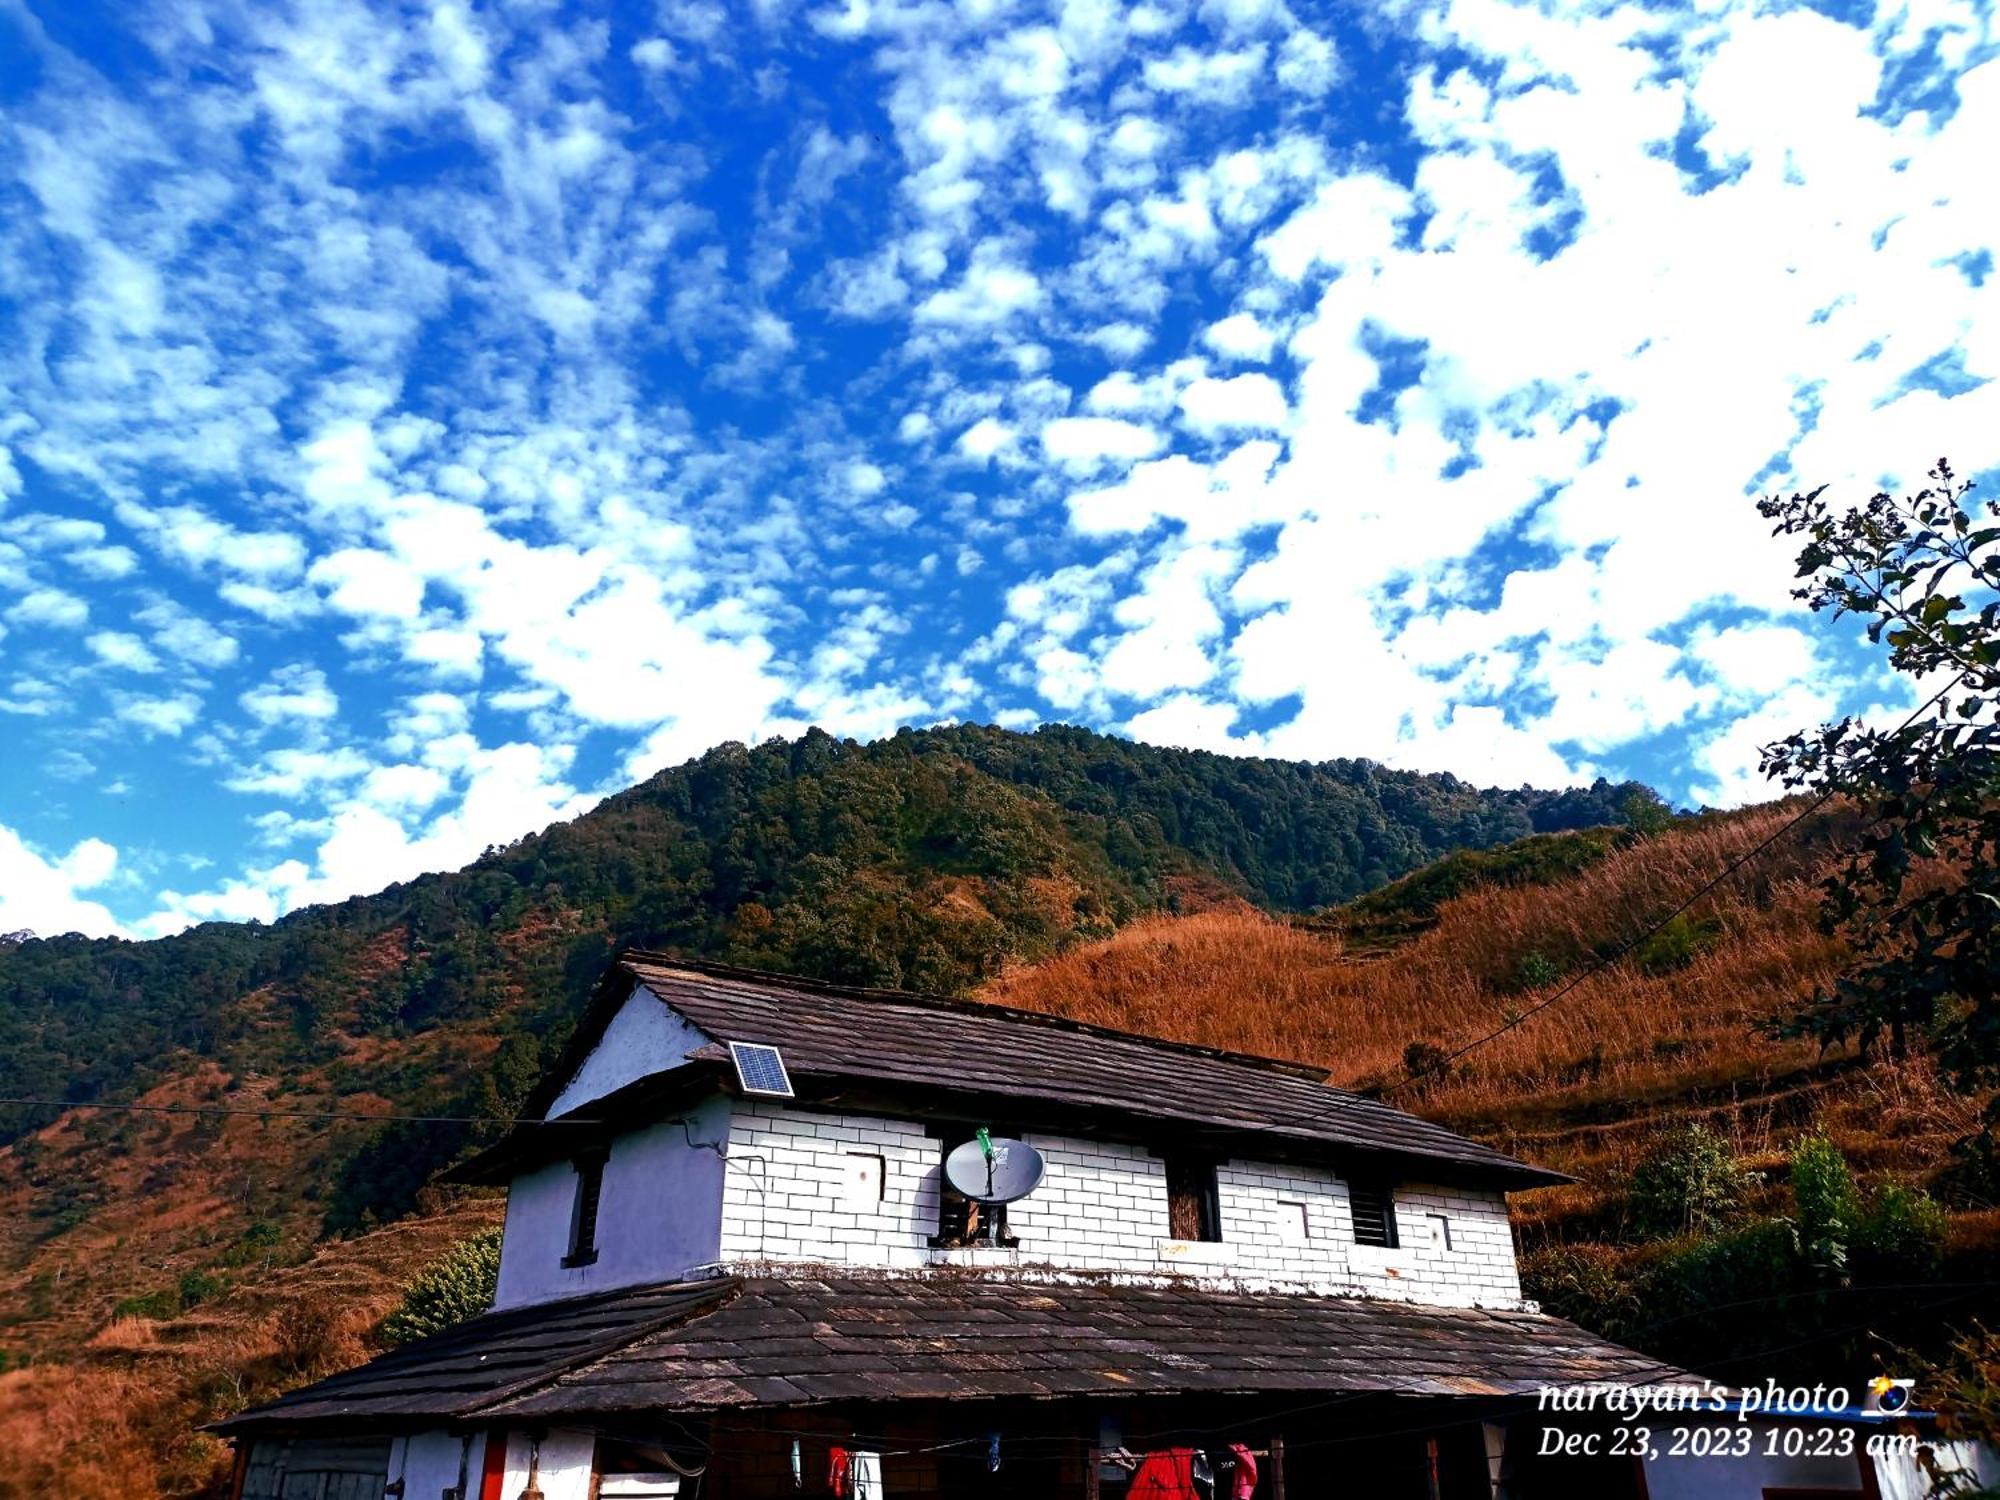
736,1343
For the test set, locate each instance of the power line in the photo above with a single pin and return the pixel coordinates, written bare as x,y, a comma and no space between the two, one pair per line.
292,1114
1606,960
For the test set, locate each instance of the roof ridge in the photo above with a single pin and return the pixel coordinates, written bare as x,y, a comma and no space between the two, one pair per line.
710,968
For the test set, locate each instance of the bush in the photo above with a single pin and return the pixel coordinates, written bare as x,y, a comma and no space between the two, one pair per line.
1829,1206
1900,1235
1537,971
198,1287
1589,1284
1675,945
165,1303
308,1331
1688,1183
458,1287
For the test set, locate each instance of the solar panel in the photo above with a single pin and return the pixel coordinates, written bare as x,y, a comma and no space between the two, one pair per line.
760,1069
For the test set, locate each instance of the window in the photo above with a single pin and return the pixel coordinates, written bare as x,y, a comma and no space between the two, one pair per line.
1374,1208
583,1209
1193,1210
960,1220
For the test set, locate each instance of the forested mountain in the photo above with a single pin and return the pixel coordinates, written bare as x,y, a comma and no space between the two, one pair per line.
927,860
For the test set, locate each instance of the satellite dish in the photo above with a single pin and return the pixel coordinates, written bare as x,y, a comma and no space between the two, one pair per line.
994,1170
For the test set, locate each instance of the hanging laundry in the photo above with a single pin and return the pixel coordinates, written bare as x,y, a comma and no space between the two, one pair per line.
838,1471
798,1466
867,1471
1166,1475
1203,1476
1244,1484
993,1454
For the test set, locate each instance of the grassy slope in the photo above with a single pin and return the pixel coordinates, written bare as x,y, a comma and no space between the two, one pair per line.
1662,1037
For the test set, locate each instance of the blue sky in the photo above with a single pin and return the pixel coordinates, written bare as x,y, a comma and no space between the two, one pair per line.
419,420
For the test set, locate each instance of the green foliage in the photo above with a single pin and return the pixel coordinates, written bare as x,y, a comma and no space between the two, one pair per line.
1688,1183
1645,812
1540,859
1829,1205
256,1243
1716,1291
928,859
160,1305
1675,944
197,1287
1589,1284
1924,572
458,1287
1537,971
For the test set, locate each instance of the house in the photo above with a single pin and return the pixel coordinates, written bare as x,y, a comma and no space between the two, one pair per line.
734,1267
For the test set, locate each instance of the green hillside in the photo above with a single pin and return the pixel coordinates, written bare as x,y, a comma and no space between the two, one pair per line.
927,860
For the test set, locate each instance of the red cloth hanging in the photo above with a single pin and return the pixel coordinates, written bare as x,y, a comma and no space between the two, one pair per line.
1244,1484
837,1471
1166,1475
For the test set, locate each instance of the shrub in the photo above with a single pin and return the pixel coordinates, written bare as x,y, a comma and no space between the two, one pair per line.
1426,1062
1675,945
1828,1204
449,1291
1688,1183
1589,1284
1900,1235
165,1303
1537,971
197,1287
308,1331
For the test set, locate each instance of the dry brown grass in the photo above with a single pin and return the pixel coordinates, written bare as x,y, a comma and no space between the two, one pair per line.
1584,1084
119,1418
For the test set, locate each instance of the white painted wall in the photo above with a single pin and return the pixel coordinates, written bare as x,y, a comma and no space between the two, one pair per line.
799,1188
1718,1475
643,1038
566,1461
659,1216
428,1463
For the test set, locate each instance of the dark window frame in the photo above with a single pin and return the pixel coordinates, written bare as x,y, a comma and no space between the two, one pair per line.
1371,1210
1194,1197
957,1227
584,1207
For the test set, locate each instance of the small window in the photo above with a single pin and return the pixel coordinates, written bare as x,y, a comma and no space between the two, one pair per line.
1194,1211
1374,1208
960,1220
583,1209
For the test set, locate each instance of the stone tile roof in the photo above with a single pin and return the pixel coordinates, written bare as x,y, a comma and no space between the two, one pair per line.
941,1046
797,1341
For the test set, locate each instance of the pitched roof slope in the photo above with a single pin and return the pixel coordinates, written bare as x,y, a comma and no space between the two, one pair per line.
733,1343
467,1368
891,1037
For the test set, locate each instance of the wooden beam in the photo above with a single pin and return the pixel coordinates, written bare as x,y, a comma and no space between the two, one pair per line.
1277,1466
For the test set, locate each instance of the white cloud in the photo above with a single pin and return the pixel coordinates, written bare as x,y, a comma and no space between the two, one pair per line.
1238,403
50,607
39,894
984,438
1085,443
1240,336
119,649
293,693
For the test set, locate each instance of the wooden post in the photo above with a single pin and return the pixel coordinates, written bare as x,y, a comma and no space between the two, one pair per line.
1277,1466
1091,1460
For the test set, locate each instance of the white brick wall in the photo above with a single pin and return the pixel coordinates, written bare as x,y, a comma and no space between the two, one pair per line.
791,1188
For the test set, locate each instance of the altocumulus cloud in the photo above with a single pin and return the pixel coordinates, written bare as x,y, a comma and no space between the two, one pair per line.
422,419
